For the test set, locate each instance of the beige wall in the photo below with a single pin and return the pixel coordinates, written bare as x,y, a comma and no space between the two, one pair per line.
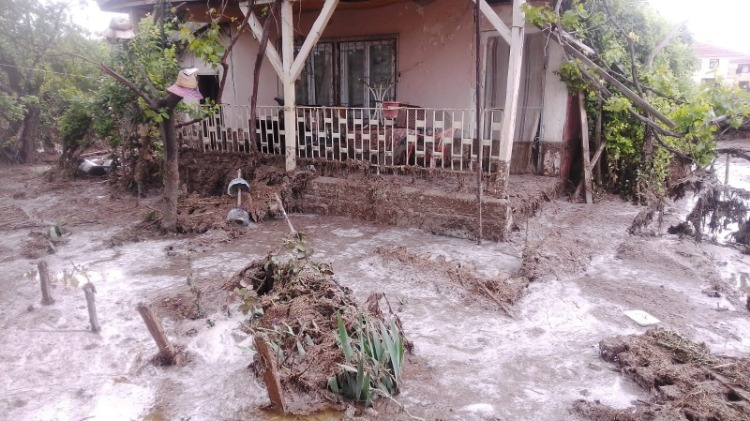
435,63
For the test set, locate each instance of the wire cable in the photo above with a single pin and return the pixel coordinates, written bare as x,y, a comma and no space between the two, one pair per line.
46,71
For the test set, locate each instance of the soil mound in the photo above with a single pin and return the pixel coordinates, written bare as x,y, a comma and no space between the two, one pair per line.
688,382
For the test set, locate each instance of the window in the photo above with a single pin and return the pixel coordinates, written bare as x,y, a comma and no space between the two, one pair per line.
743,68
315,85
336,71
208,85
713,63
745,85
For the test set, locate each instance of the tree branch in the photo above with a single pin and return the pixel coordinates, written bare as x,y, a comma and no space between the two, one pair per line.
631,47
228,51
130,85
663,43
622,88
258,63
740,153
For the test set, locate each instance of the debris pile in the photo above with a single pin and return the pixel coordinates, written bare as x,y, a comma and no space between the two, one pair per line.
686,380
324,345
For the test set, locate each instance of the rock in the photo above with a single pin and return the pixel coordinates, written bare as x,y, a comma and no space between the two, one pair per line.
370,412
610,348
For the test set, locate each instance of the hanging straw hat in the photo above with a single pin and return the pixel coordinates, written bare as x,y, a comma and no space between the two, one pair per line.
119,28
186,85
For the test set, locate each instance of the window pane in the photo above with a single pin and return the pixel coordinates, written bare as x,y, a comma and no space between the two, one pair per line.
323,74
382,62
352,74
315,83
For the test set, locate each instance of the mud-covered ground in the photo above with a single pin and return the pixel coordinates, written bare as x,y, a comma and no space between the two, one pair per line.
472,360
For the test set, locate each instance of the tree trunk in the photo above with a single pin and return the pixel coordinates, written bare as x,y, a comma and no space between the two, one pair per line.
27,135
256,72
171,165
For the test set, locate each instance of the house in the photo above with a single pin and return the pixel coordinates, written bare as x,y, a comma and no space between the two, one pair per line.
715,63
338,62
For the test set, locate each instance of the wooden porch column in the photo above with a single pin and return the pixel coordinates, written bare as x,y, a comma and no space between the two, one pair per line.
494,20
290,97
292,69
508,129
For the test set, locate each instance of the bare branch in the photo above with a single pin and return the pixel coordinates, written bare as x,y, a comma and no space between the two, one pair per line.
258,63
631,47
130,85
228,51
740,153
663,43
187,123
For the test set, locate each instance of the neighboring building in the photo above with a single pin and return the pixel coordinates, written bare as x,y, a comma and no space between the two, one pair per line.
421,49
719,63
739,72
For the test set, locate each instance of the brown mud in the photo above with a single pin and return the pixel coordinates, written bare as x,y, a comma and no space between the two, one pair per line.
471,362
686,381
501,291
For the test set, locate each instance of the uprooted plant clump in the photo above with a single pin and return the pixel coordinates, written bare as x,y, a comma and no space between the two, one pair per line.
720,212
326,346
688,383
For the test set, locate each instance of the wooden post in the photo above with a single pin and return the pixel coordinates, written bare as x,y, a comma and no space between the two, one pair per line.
44,282
480,142
269,371
290,99
726,171
166,350
588,185
494,20
597,167
312,38
508,129
89,290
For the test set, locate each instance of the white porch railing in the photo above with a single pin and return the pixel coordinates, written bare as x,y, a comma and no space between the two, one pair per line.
423,137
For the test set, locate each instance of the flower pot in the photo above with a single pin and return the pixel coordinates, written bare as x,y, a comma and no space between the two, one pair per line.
390,109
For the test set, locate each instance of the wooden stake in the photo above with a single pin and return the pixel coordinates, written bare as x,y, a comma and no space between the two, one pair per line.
588,185
269,371
166,350
44,281
726,171
89,290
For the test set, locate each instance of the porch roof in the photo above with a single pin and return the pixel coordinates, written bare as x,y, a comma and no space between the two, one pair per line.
304,5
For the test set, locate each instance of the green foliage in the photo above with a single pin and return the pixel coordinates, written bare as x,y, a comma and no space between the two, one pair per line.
571,75
624,34
36,76
374,356
75,125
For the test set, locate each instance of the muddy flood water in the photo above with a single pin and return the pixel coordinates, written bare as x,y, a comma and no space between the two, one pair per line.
471,361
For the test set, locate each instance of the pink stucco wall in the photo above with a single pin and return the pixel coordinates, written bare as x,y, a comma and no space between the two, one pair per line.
435,63
435,47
